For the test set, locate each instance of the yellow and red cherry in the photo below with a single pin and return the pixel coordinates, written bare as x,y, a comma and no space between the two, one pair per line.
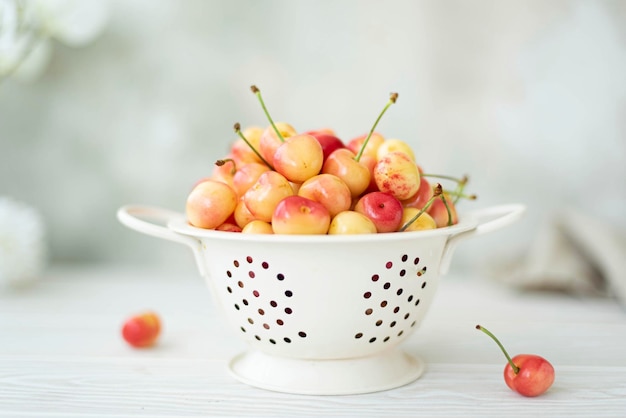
329,190
391,145
210,203
350,222
299,215
245,148
258,227
342,163
299,158
246,176
527,374
423,195
142,330
422,222
371,148
242,215
397,174
270,141
443,211
407,224
263,196
384,210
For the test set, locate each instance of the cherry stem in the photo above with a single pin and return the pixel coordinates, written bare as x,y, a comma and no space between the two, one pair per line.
436,193
257,92
392,99
220,163
445,203
237,128
486,331
461,195
462,180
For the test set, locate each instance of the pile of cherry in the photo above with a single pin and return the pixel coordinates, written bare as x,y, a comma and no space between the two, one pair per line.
278,181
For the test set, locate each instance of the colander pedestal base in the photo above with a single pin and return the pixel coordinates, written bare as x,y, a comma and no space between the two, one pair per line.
387,370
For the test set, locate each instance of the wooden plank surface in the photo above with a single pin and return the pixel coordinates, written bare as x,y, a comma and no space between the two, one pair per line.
61,354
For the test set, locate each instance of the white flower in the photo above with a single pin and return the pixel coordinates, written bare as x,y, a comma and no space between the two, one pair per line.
22,245
28,26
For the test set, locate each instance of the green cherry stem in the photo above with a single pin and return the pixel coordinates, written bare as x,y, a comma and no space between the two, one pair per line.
486,331
445,203
237,128
257,92
461,195
392,99
437,191
461,180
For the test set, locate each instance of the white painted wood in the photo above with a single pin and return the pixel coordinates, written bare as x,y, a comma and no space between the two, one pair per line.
61,354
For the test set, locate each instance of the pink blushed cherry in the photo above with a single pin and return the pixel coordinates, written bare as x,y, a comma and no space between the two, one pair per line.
142,330
299,215
384,210
527,374
210,204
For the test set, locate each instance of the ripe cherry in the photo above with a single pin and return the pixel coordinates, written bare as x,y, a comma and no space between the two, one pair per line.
528,374
142,330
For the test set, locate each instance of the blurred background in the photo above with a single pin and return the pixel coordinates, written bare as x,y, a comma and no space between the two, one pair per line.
118,102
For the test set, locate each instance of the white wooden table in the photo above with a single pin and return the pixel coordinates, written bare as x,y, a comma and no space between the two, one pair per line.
61,354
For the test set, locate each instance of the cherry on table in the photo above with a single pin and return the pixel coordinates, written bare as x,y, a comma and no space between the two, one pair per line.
528,374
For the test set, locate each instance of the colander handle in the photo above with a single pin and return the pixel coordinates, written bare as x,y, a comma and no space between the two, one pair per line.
136,217
489,220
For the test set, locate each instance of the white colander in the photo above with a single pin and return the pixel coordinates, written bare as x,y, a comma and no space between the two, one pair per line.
322,314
